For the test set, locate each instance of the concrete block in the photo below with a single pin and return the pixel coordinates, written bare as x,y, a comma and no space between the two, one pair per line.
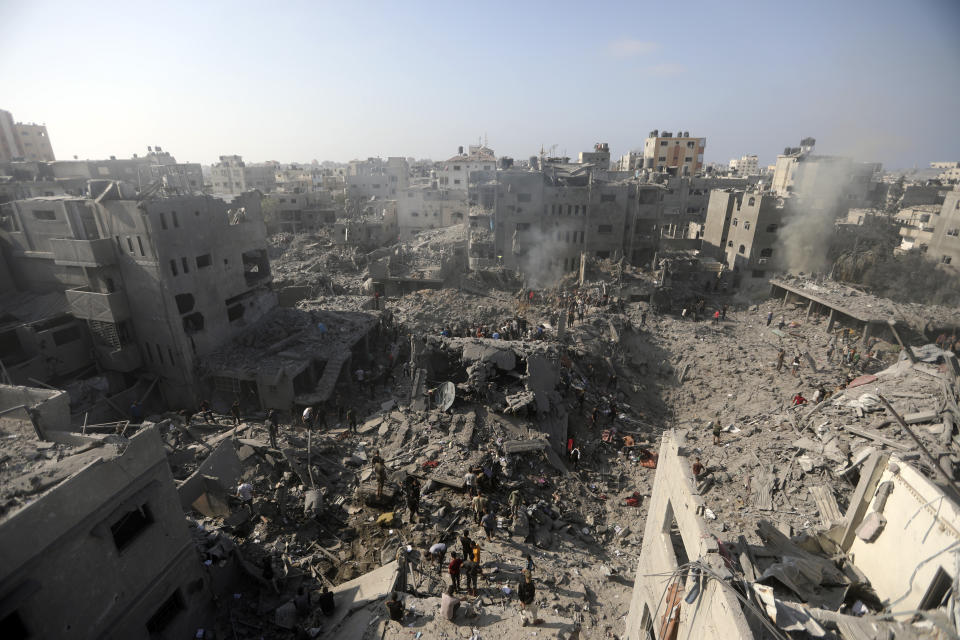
871,527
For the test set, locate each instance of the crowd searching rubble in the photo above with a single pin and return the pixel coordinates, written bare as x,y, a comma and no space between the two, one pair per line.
490,468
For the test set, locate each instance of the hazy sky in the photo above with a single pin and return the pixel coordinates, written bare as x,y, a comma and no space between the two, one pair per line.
294,81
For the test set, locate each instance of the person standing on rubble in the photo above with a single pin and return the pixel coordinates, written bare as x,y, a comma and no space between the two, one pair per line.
471,569
515,501
136,412
235,411
795,366
479,506
413,497
351,420
527,592
454,569
380,469
781,324
466,544
271,422
470,482
717,430
780,355
205,410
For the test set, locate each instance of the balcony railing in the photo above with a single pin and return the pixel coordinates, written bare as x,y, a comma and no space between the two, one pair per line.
83,253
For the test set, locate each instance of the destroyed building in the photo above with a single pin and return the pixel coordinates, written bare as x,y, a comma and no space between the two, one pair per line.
83,506
158,282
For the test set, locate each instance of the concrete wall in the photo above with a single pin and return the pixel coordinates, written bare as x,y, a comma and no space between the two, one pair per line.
720,210
920,539
60,566
674,502
945,243
45,409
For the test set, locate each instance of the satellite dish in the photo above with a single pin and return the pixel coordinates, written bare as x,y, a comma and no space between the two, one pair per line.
445,395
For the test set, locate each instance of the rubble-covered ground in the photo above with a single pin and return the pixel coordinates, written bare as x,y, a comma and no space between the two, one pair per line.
626,375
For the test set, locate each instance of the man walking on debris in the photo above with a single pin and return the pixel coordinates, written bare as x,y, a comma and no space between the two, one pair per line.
467,545
716,430
235,411
380,471
527,592
470,482
413,497
351,421
795,366
780,356
489,522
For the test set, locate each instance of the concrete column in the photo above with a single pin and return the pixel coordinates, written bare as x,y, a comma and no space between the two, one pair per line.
830,320
786,297
809,309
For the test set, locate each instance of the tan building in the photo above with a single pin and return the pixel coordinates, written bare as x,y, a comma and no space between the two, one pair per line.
600,156
678,155
23,141
945,240
455,172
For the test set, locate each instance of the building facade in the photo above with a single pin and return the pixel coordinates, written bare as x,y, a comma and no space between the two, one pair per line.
429,207
748,165
377,178
679,155
159,282
945,240
23,141
232,176
454,173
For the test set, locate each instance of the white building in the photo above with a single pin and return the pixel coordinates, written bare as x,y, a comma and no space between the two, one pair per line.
745,165
377,178
455,172
427,207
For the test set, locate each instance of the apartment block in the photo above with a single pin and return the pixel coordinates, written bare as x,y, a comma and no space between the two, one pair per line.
742,229
455,173
429,207
232,176
300,212
104,538
600,156
826,182
159,282
680,155
377,178
945,240
23,141
748,165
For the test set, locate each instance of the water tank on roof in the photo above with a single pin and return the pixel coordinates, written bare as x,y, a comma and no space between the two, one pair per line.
460,150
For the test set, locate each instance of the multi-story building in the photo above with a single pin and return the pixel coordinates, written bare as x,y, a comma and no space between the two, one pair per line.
679,155
455,173
233,176
826,182
684,200
600,156
158,281
748,165
917,226
298,212
117,558
949,171
23,141
543,221
743,230
377,178
632,161
945,241
428,206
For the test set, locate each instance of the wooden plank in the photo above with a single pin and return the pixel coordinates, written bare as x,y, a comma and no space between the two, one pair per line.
826,505
876,437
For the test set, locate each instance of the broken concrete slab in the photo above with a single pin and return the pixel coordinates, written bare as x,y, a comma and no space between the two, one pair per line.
222,464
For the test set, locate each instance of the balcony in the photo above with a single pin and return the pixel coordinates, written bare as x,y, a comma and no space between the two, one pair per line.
83,253
124,359
90,305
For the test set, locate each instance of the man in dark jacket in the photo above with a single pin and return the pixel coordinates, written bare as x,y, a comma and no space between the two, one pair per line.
527,592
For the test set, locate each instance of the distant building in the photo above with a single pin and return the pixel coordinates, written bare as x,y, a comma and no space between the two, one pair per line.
377,178
429,207
826,182
232,176
23,141
745,165
298,212
454,173
679,155
950,171
632,161
600,156
917,226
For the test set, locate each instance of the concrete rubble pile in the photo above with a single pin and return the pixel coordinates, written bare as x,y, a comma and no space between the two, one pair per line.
712,469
